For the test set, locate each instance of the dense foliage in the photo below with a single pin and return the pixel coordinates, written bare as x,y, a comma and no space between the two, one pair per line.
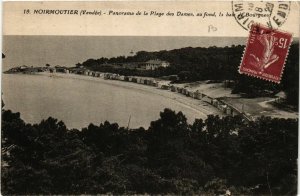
171,156
213,63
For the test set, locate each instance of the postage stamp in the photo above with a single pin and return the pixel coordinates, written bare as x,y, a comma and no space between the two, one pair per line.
273,14
265,53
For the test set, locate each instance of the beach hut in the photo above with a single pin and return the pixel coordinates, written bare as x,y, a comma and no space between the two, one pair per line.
142,81
106,76
152,82
222,107
207,99
159,85
214,102
179,89
182,91
122,78
139,80
200,95
165,87
191,93
148,82
196,94
113,76
186,92
52,70
155,83
229,111
173,88
134,79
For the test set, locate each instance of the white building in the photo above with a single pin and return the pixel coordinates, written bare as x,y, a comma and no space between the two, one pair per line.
154,64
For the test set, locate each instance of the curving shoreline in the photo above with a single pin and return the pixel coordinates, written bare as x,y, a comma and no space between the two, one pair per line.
149,96
202,108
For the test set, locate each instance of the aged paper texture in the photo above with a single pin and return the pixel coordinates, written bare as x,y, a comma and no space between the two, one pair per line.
150,97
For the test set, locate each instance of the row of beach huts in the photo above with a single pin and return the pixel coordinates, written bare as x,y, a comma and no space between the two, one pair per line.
195,94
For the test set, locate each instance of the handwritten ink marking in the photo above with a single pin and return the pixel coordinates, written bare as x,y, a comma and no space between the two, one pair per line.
211,28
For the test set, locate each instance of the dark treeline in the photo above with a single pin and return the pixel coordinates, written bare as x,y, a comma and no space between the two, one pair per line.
171,156
213,63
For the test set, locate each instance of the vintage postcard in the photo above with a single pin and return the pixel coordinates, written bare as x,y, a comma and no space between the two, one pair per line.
140,97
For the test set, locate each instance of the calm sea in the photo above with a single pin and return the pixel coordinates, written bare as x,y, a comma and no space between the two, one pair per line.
79,102
69,50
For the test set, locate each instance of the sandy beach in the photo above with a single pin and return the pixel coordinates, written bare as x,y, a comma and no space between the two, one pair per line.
79,100
202,108
65,96
254,107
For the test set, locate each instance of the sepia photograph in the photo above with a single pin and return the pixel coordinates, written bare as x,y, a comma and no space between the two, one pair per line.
147,114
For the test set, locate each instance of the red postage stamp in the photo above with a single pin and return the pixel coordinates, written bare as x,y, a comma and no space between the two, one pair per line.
265,53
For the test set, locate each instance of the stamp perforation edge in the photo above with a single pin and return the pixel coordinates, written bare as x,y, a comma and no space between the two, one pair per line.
285,57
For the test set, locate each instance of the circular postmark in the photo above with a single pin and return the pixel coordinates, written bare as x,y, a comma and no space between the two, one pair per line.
273,14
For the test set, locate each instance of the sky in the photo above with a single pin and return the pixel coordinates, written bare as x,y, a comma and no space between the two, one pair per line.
69,50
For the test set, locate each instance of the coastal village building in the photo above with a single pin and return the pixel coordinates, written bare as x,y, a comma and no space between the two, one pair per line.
132,65
154,64
61,69
77,70
148,65
23,67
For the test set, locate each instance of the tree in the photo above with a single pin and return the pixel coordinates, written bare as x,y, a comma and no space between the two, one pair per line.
170,157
